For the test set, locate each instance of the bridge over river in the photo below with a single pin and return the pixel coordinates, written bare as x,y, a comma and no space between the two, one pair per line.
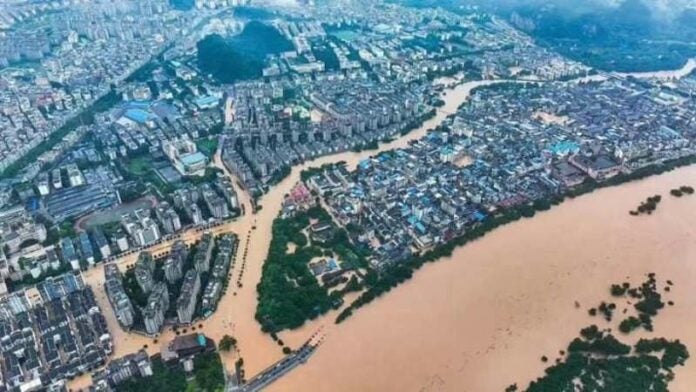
280,368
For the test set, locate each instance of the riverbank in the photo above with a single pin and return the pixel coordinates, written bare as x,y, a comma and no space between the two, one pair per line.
458,325
488,307
235,313
682,72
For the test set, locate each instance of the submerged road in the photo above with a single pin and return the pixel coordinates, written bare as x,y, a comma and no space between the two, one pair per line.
280,368
235,314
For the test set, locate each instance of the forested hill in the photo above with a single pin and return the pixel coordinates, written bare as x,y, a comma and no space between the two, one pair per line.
243,56
628,38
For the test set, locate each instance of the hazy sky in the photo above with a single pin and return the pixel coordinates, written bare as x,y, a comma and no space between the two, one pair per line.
669,6
661,6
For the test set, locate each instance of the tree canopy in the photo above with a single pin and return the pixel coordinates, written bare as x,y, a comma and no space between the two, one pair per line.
241,57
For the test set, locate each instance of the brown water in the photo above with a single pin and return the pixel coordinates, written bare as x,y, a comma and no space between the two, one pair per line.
235,314
689,67
482,319
458,322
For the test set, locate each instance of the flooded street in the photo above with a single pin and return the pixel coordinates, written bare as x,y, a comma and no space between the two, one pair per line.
235,314
479,320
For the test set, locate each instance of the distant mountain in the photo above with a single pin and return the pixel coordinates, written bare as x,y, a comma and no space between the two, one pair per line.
555,23
660,9
629,36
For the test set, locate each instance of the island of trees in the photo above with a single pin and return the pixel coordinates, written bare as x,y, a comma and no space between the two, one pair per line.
681,191
596,360
288,292
648,206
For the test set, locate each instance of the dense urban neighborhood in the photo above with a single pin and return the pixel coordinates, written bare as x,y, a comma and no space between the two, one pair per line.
512,146
143,145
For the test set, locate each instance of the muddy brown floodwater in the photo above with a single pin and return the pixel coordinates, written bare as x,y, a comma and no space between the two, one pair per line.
235,313
481,319
684,71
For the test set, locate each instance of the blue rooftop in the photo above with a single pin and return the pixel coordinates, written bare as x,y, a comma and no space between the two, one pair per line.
332,264
32,204
193,159
70,283
357,192
137,115
479,216
564,147
139,104
207,100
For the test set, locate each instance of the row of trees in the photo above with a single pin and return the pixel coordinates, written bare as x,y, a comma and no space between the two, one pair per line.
381,282
288,292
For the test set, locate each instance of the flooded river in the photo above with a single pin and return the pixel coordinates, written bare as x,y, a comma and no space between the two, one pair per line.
684,71
479,320
235,314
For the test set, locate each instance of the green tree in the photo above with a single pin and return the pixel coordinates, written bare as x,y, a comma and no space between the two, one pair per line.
227,343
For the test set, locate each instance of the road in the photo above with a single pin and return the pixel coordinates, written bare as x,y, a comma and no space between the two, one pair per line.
236,310
124,342
281,367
